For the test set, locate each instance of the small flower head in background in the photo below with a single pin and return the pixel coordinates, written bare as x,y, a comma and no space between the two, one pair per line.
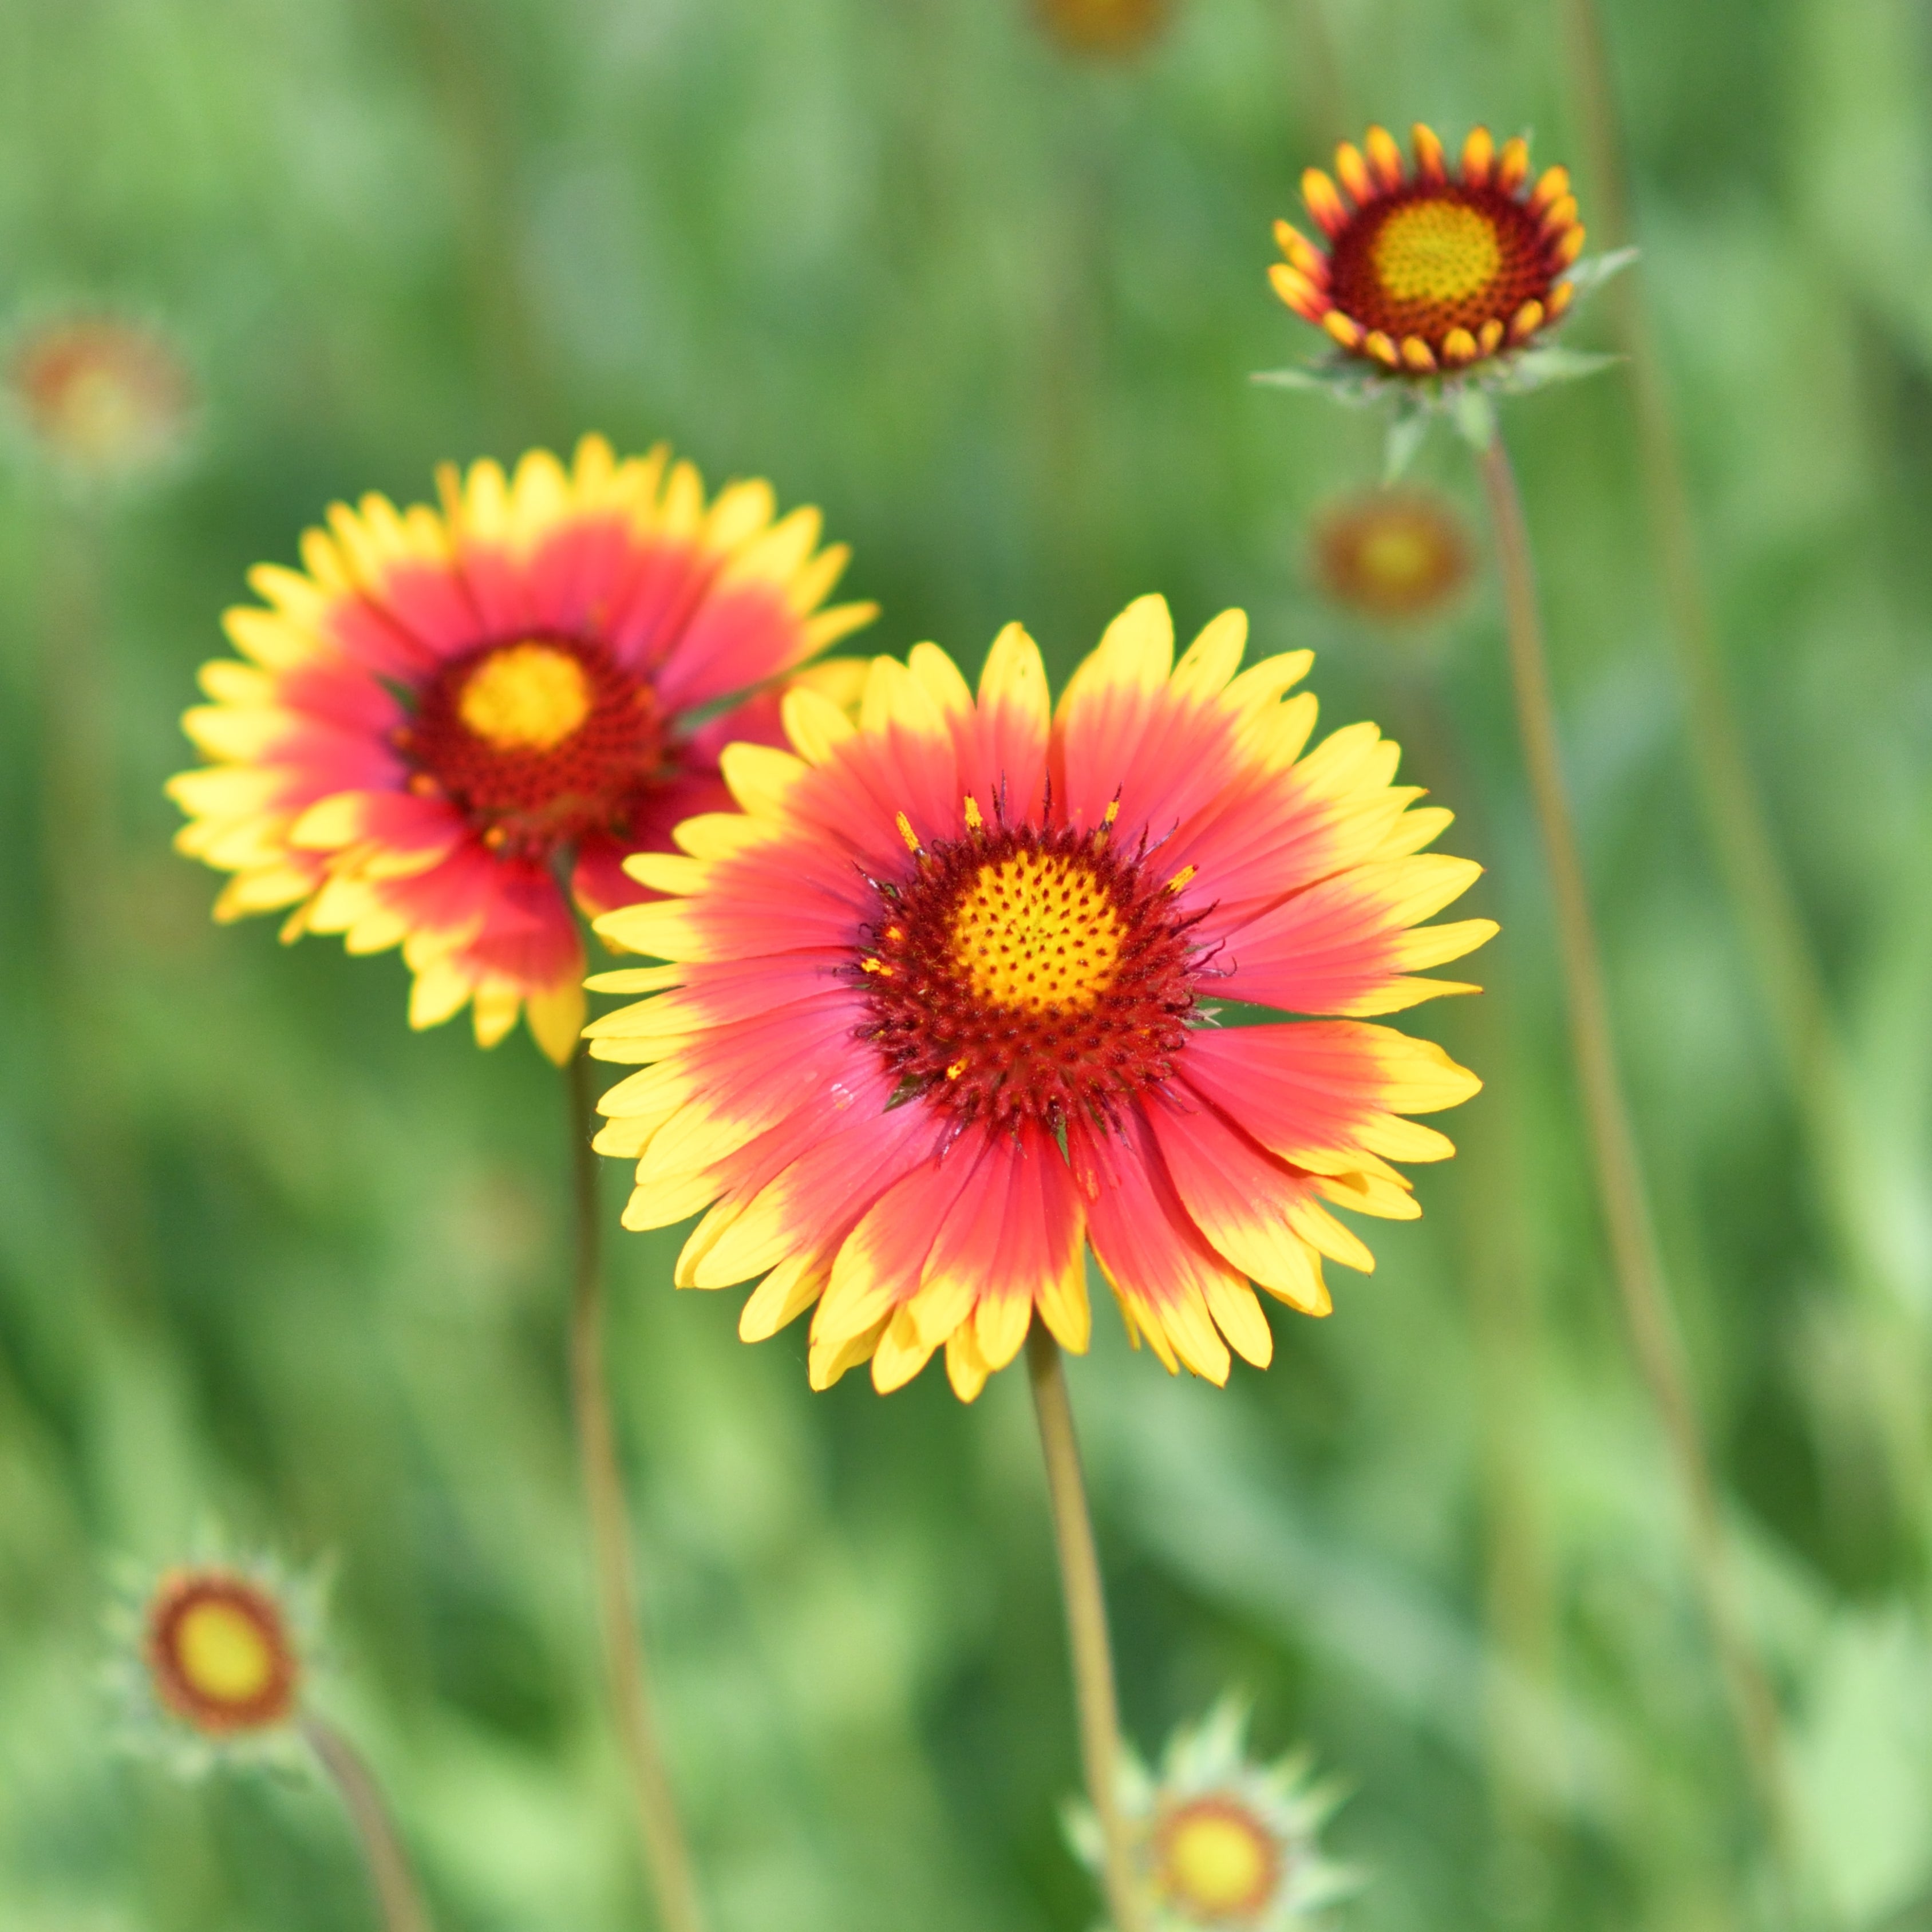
104,399
1104,27
452,724
1439,269
213,1659
1395,555
942,1015
1225,1844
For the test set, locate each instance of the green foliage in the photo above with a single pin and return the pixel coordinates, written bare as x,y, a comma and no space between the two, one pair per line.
267,1259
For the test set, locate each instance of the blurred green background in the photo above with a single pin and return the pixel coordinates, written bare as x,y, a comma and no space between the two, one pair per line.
269,1260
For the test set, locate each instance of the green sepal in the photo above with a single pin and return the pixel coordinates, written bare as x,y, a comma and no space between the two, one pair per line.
1587,276
1407,428
1342,382
1474,415
1536,368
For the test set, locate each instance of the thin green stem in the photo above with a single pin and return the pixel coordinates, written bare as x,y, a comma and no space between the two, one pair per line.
1086,1624
1634,1258
666,1855
1790,980
397,1892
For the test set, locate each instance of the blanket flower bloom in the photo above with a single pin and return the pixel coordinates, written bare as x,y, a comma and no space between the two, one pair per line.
1437,269
106,398
453,724
933,1020
213,1659
1398,556
1226,1844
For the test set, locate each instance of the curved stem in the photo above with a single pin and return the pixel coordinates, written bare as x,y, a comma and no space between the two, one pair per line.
396,1891
1086,1623
667,1857
1620,1187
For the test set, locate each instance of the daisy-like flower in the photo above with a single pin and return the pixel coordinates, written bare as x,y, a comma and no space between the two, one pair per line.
214,1660
1395,555
1104,26
1437,268
453,724
1225,1844
105,400
941,1010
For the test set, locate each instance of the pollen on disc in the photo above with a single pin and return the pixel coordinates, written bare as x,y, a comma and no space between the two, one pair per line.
1036,931
1436,251
525,695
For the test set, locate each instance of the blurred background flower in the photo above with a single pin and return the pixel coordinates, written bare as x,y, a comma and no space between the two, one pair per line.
212,1661
1226,1843
1104,27
832,244
104,399
1394,556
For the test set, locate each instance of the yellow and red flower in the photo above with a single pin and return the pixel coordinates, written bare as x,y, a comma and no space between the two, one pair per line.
1391,554
1434,269
105,398
451,725
1224,1844
938,1011
221,1655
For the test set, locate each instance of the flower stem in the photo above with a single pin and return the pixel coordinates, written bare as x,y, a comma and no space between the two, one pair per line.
1790,981
1626,1211
666,1855
396,1891
1086,1623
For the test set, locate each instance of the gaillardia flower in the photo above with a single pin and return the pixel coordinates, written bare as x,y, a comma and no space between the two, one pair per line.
105,399
214,1661
1394,555
1436,270
938,1011
220,1653
1225,1844
452,723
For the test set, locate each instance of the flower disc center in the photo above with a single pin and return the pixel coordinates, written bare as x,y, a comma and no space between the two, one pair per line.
1436,251
1036,932
538,741
219,1652
1028,973
527,696
1218,1860
223,1652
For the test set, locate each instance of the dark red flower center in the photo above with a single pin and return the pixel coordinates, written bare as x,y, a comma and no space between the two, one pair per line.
219,1655
1028,973
538,741
1431,256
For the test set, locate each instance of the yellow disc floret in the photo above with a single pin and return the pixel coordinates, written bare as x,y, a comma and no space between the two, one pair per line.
1398,556
1037,930
1436,251
1217,1859
526,697
222,1654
